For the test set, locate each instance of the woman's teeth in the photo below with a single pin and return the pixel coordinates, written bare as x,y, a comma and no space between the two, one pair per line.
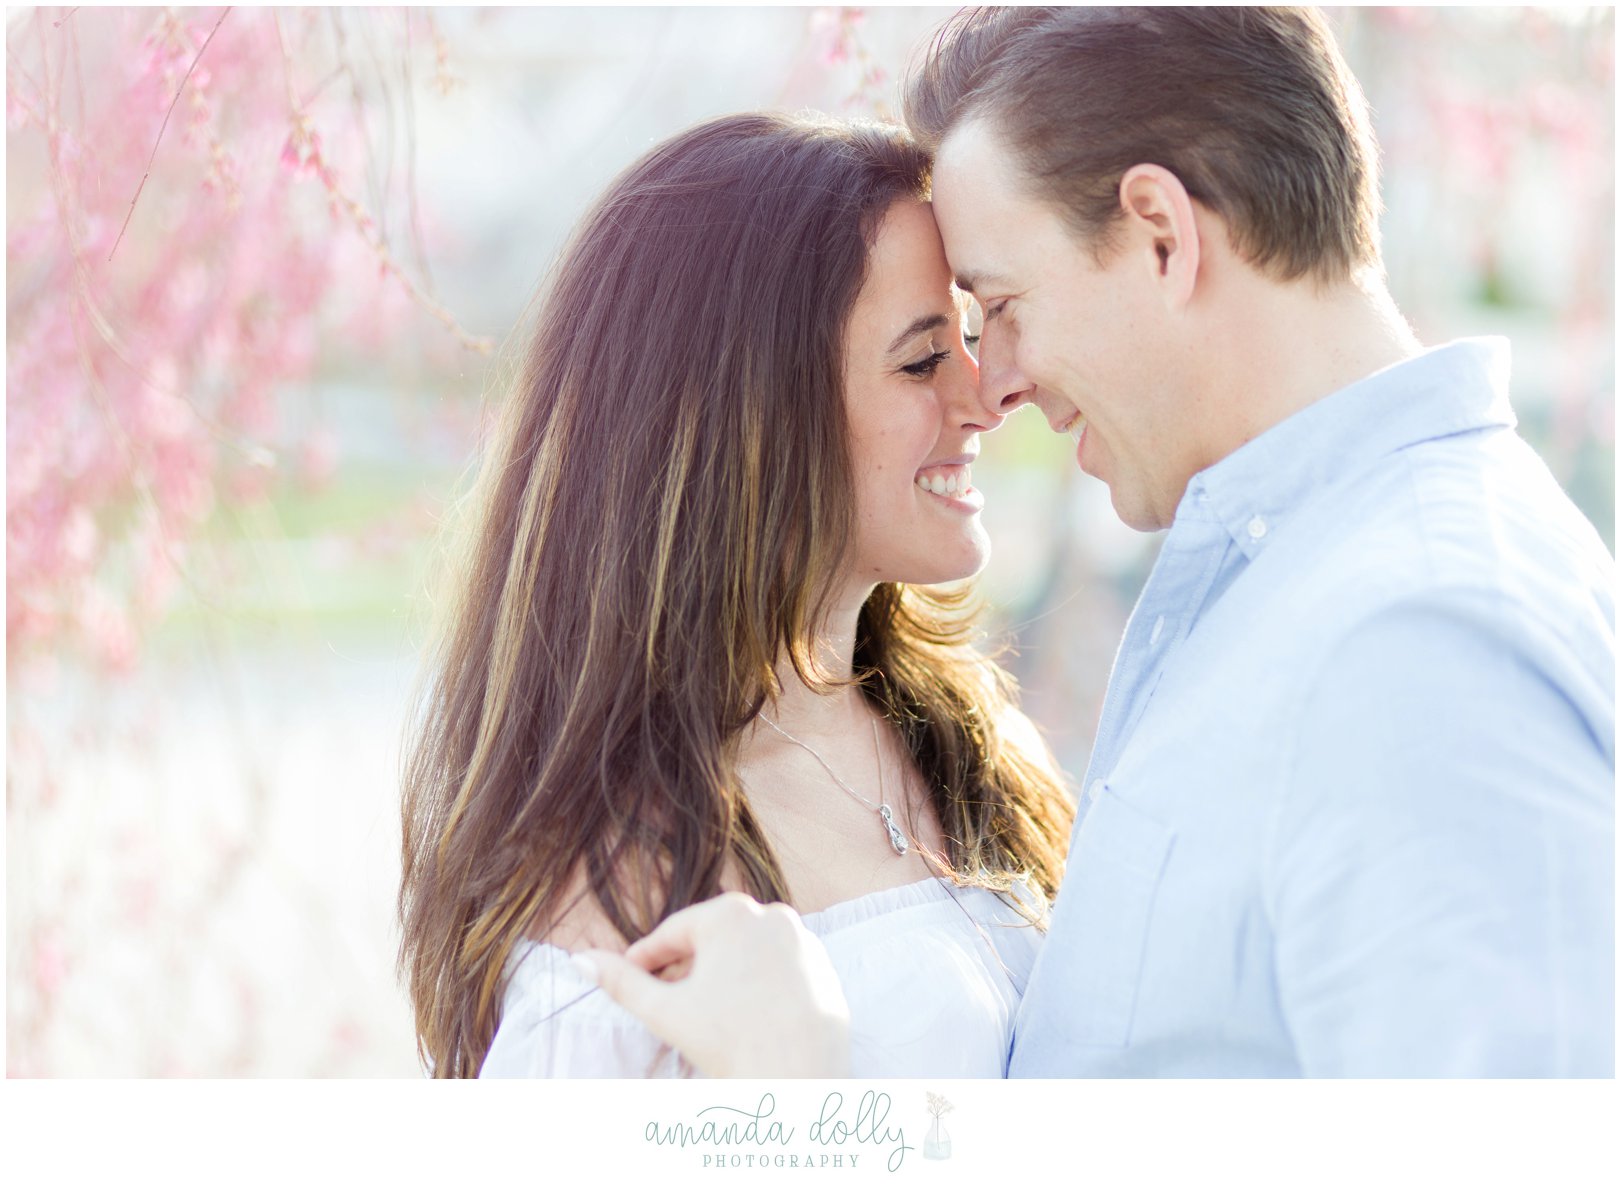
945,480
1076,427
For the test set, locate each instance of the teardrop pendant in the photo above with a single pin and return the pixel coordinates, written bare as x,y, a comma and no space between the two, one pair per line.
896,838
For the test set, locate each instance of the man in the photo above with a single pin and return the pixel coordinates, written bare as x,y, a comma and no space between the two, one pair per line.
1350,808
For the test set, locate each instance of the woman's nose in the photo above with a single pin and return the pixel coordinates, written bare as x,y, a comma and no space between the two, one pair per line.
965,409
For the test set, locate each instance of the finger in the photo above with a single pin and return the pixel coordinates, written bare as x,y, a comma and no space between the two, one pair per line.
667,963
626,983
679,935
675,971
660,949
656,1004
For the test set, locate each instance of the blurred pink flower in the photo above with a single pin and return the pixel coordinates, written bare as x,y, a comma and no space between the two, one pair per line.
106,626
148,375
51,964
318,458
157,566
79,537
1406,18
140,900
834,28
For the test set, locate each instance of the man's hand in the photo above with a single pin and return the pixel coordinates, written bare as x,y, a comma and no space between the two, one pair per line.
740,988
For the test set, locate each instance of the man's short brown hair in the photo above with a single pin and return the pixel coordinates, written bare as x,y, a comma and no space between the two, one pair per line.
1253,109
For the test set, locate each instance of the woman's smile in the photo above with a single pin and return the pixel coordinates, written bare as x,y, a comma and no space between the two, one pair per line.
951,483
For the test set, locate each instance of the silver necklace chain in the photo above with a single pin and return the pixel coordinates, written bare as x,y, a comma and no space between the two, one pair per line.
897,840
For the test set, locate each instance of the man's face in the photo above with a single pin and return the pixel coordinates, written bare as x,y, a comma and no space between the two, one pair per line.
1090,345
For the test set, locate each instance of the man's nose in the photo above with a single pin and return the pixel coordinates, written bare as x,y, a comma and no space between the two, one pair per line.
1002,387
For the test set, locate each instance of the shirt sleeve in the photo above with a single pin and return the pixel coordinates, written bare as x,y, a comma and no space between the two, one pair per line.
555,1024
1441,874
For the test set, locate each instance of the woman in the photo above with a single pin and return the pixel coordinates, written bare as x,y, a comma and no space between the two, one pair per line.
687,657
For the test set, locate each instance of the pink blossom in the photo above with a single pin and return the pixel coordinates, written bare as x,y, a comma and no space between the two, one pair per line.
318,458
1405,19
348,1036
157,561
106,626
140,900
79,536
51,962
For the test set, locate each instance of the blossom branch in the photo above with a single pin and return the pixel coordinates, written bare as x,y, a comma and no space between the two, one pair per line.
172,103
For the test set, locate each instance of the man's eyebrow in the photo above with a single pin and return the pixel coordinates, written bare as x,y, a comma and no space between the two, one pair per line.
917,327
968,282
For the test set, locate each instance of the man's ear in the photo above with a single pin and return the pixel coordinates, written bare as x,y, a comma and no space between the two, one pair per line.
1159,214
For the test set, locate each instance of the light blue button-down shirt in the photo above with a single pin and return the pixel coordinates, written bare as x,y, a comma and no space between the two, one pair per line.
1351,806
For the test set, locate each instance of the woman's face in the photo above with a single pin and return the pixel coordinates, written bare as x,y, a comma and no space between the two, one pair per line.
910,389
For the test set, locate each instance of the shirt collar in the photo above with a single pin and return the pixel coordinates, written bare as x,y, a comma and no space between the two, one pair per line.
1450,389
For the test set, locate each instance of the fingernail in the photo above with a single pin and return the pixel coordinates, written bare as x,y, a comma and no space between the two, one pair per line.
587,968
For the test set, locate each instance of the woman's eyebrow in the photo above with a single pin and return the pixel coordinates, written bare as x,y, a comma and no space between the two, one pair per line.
917,326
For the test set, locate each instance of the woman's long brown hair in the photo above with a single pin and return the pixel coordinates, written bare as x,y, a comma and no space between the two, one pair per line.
659,521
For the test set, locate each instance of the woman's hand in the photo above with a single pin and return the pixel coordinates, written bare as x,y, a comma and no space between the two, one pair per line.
743,989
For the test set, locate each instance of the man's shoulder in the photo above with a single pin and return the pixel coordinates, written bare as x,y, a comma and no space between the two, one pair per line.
1470,531
1476,517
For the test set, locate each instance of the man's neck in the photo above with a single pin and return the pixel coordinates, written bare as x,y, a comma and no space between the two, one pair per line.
1288,346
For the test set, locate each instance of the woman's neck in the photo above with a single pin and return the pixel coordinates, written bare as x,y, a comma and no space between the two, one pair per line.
833,646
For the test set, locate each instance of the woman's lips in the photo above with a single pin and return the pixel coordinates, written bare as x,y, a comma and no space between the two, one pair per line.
945,479
952,484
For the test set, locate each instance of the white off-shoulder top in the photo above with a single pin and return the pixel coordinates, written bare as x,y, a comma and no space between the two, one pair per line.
933,974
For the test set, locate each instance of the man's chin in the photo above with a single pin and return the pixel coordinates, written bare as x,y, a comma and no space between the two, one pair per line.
1135,513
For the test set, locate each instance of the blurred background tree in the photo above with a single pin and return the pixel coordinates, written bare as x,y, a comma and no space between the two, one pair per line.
262,266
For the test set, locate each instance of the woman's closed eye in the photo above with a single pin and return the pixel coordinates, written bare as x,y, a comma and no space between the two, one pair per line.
926,367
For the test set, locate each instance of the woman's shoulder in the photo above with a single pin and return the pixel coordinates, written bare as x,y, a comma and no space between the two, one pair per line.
557,1024
581,922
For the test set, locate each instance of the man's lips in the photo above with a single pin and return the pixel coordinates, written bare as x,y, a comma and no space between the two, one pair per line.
1074,427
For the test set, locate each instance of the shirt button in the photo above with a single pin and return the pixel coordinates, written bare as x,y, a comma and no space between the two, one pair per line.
1096,790
1159,626
1257,528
